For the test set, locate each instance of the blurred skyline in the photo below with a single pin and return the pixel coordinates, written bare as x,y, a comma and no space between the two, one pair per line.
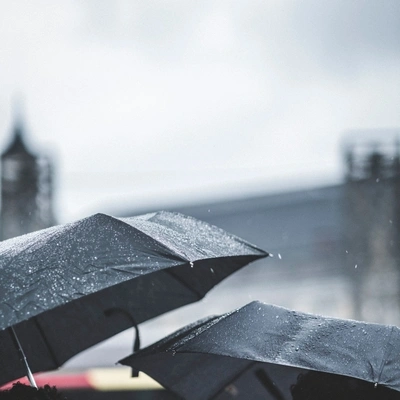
154,102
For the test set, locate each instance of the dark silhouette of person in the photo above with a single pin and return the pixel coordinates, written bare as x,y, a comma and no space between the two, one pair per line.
313,385
20,391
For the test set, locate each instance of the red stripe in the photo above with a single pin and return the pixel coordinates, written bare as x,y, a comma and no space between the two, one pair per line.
61,381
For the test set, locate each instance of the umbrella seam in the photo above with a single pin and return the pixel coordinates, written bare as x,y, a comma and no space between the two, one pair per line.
178,337
261,253
385,355
214,227
56,231
201,330
164,246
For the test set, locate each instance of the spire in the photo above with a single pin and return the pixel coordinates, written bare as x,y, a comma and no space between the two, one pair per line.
17,144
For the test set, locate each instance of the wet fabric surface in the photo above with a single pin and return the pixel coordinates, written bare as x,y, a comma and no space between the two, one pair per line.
268,343
69,287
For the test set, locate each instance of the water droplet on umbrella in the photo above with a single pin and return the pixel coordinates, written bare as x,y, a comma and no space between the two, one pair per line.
191,264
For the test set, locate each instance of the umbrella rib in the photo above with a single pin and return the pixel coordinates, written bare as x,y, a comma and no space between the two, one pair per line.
267,382
200,295
263,378
49,348
233,379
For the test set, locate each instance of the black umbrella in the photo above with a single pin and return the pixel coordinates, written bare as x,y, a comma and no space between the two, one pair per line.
259,350
66,288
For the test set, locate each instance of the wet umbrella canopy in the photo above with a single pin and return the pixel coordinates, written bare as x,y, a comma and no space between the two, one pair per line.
66,288
259,350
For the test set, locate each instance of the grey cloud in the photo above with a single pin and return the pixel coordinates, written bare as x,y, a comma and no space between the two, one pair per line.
159,29
346,34
300,37
319,36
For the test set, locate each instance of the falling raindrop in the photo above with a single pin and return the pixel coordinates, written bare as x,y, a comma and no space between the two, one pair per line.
212,270
279,255
356,266
271,255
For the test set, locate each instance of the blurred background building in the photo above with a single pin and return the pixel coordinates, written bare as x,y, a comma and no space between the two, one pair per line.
26,188
335,248
371,229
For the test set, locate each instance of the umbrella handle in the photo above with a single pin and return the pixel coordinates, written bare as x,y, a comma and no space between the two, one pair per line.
28,370
114,310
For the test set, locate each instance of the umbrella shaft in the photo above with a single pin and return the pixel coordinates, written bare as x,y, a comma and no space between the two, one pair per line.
28,370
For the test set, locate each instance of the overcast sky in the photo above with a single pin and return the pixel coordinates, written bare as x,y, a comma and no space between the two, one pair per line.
157,101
